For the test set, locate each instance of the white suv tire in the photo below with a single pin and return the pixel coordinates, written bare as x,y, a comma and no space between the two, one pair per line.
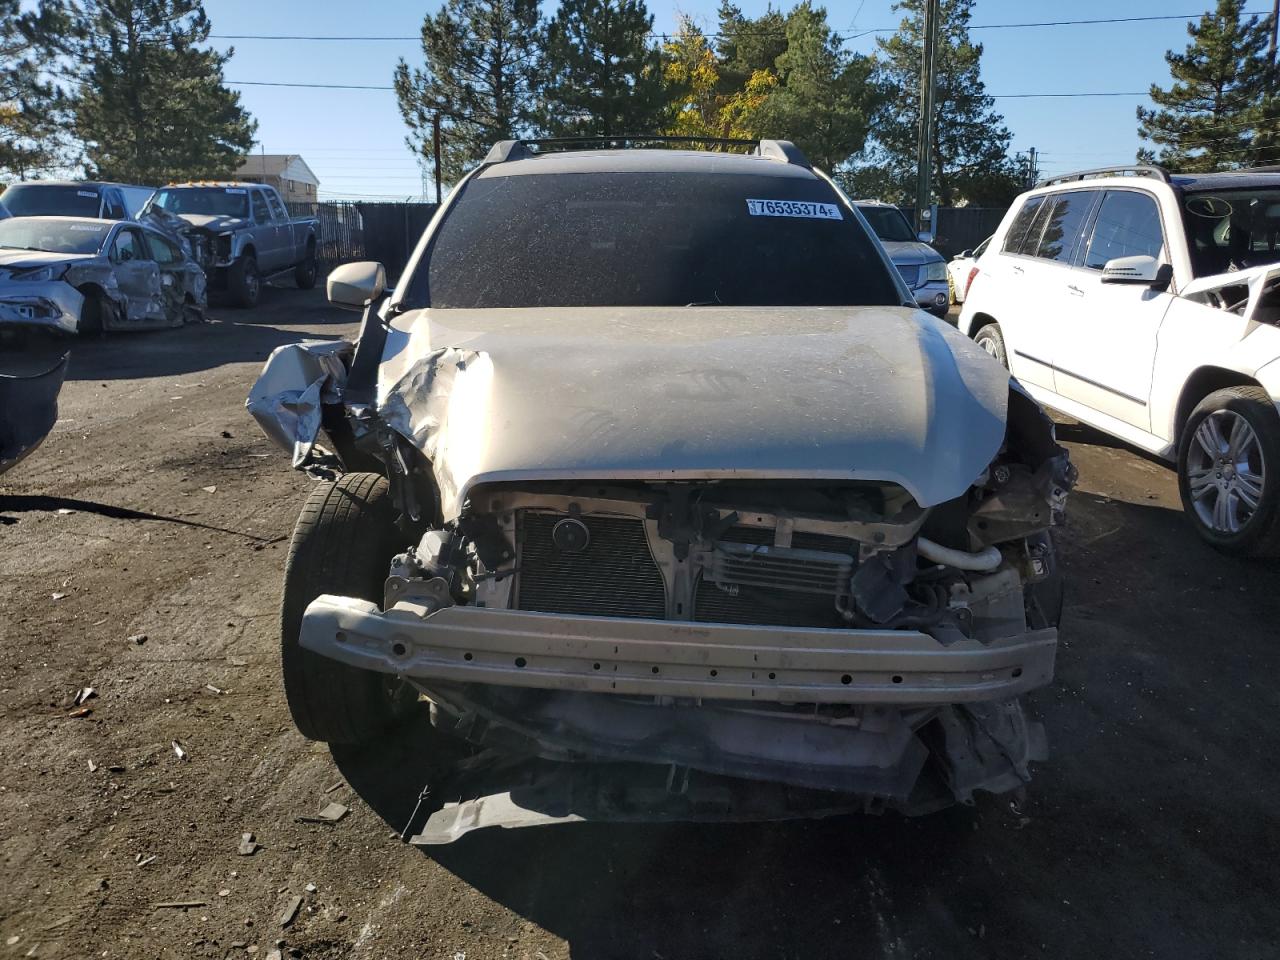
990,339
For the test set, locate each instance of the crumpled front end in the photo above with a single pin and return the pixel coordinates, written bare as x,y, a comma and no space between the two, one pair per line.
53,305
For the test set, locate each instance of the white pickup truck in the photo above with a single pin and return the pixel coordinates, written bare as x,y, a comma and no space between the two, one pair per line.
242,232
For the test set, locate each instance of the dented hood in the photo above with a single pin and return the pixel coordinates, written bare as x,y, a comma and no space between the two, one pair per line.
844,393
214,223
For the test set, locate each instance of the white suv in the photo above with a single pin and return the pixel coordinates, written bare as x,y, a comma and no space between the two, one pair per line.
1146,304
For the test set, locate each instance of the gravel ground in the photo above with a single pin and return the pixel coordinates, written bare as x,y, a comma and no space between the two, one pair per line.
156,509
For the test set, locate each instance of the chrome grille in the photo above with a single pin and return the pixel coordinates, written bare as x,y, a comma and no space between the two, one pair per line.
615,576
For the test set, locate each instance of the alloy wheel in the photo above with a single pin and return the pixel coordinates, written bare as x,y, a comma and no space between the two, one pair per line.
1225,471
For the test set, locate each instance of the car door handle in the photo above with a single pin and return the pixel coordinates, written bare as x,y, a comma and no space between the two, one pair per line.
1074,290
1018,270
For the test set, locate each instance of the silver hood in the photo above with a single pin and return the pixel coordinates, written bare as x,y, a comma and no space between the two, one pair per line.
11,259
847,393
214,223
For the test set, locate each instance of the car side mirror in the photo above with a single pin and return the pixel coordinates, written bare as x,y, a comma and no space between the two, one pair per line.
354,286
925,236
1140,270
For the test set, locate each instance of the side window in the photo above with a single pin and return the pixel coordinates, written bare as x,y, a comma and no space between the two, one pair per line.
1128,225
162,251
1066,222
261,213
113,206
276,206
1021,223
127,247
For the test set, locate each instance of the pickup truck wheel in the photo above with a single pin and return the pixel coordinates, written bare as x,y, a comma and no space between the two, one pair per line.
244,282
1229,471
990,339
342,544
304,274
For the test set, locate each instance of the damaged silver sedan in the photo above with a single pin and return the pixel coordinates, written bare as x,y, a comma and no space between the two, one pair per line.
653,481
81,275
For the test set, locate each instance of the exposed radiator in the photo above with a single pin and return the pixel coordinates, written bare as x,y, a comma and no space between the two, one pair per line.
615,576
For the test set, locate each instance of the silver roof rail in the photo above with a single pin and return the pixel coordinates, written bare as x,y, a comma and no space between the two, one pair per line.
505,150
1124,170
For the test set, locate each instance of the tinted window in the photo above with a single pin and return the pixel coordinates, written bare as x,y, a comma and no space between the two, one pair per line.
1017,235
1065,224
1128,225
53,236
113,206
214,201
889,223
51,200
276,206
649,239
1228,229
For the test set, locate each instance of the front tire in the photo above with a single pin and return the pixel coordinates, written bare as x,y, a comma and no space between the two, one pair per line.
245,282
991,339
93,315
1229,471
342,544
305,273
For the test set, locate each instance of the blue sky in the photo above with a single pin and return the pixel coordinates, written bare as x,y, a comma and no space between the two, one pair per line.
354,139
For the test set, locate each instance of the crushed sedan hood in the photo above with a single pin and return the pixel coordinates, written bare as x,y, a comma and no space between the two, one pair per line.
910,251
840,393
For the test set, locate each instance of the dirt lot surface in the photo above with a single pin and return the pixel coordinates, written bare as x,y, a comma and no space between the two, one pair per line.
156,509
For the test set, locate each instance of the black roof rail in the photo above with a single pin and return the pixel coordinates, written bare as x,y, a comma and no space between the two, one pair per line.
1123,170
504,150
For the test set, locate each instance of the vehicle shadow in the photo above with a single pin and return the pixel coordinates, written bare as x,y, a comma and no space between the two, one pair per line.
14,504
229,336
1152,719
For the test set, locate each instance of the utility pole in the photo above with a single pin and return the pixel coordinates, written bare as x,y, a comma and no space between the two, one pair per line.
924,149
1275,17
435,147
1032,173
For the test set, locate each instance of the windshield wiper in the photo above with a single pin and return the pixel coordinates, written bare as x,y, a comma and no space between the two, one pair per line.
717,302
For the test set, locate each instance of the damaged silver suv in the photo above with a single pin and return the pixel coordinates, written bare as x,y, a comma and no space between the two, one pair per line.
652,479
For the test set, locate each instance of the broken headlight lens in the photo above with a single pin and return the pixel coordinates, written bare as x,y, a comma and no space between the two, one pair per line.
38,275
935,271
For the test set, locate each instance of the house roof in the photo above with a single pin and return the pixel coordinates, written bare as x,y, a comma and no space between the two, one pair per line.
288,166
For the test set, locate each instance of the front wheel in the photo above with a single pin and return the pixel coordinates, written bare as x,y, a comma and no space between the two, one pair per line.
304,274
245,282
343,544
1229,471
990,339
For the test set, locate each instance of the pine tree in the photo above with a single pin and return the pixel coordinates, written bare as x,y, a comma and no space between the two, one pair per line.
481,75
1220,113
33,120
604,77
970,140
152,106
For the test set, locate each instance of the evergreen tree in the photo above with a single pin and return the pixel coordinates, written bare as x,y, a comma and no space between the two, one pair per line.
1220,112
152,105
33,121
748,47
603,75
480,75
970,140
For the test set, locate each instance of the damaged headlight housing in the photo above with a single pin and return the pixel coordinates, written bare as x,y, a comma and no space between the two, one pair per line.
38,275
935,271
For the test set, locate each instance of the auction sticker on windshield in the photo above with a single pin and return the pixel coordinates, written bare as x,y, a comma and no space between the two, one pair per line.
793,208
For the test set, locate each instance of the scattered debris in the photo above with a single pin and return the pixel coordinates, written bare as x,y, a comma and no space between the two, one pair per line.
211,688
238,661
138,639
63,511
274,954
143,863
224,892
9,942
226,434
115,768
334,787
290,911
59,596
178,905
248,846
93,767
84,694
82,712
310,888
212,488
332,813
178,750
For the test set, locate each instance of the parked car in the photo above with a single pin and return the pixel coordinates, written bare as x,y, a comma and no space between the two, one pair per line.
247,234
1146,304
75,198
81,275
685,482
962,269
923,268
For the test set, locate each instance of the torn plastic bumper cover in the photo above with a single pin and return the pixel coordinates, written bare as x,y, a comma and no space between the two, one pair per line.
28,411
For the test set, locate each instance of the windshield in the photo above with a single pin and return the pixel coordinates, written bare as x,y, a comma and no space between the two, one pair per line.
889,223
649,239
50,200
1232,229
53,236
213,201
